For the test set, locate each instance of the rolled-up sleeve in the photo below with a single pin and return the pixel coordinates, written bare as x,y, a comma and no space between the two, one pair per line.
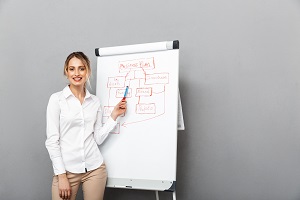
53,136
101,131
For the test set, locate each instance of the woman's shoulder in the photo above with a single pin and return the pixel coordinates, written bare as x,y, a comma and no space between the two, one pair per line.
54,99
95,98
56,95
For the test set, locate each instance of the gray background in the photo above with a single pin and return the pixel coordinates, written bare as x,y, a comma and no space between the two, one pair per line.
239,83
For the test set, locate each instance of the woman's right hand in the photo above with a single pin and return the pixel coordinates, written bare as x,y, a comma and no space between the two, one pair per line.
64,188
119,109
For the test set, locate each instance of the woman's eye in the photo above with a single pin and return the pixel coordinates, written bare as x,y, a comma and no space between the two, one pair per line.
82,69
71,69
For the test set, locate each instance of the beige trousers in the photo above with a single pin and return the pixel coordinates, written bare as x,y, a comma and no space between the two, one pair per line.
93,184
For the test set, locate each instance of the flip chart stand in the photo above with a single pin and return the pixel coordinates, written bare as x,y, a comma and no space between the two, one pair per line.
157,196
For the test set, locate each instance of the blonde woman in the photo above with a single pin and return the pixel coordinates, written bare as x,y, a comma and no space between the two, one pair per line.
74,129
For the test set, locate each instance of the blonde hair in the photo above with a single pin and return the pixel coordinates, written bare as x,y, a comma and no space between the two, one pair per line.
85,61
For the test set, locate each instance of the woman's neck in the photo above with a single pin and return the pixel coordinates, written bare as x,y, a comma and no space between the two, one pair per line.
79,92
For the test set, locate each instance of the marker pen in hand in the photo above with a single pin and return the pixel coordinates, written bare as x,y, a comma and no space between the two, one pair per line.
125,93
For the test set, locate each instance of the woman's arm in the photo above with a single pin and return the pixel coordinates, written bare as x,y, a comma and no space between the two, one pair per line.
52,141
52,144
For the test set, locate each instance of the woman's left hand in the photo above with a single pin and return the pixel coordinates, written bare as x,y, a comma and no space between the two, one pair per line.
119,109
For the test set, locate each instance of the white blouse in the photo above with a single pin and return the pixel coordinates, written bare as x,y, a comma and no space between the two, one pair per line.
73,132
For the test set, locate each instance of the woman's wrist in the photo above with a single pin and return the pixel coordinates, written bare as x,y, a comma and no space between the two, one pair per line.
61,176
114,116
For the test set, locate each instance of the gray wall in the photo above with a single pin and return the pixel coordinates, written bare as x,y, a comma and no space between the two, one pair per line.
239,84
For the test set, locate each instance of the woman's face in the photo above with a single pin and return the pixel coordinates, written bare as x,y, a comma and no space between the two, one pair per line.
76,72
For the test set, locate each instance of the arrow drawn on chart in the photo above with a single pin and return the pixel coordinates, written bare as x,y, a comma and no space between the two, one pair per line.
126,123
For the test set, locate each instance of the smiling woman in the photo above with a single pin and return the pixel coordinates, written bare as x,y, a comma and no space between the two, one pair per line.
72,141
77,69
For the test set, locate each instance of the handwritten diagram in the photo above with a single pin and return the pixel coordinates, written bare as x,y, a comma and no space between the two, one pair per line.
147,90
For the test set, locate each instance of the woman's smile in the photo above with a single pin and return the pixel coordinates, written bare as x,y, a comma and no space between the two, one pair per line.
77,79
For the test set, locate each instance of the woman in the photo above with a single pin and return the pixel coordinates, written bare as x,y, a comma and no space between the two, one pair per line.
74,129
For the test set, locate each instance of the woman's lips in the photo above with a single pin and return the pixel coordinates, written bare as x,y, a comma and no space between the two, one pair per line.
77,79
